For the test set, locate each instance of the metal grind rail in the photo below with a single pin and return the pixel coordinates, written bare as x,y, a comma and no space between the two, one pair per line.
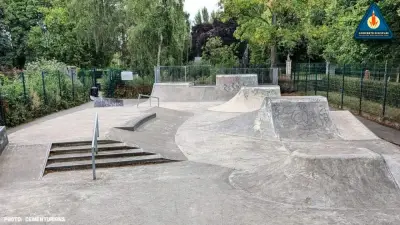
150,97
94,144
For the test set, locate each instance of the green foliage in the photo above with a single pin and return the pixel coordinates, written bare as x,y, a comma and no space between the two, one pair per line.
94,33
258,27
43,94
19,17
205,15
218,54
158,36
198,19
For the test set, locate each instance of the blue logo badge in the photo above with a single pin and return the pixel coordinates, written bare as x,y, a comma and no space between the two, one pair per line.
373,25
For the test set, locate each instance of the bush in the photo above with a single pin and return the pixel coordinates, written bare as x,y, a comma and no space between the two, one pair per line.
21,105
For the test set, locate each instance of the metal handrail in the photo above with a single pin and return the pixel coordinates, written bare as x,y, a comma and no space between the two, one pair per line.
150,97
94,144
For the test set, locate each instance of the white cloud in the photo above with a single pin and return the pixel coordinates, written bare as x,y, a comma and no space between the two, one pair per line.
192,6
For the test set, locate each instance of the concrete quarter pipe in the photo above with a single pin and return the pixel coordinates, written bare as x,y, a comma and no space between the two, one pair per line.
226,87
248,99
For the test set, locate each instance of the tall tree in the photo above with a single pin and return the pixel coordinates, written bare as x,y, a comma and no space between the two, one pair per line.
205,15
156,23
198,18
5,43
97,23
19,17
268,25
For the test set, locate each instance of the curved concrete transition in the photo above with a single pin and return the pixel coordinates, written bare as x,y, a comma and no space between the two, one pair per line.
248,99
227,86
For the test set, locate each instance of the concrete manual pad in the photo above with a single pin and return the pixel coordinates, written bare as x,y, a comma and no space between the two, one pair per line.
156,135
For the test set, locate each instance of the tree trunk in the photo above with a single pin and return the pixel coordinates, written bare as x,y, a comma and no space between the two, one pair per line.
159,50
273,47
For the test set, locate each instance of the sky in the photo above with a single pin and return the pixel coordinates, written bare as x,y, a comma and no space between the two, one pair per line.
192,6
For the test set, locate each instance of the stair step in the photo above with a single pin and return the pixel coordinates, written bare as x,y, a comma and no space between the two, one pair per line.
79,143
88,148
107,162
100,155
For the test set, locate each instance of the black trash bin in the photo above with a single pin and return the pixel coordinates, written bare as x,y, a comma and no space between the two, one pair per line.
94,91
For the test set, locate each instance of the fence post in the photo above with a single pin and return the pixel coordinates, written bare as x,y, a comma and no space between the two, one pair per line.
293,77
327,88
185,73
384,96
316,77
307,80
24,87
59,83
94,78
110,73
343,72
44,88
73,85
298,69
361,89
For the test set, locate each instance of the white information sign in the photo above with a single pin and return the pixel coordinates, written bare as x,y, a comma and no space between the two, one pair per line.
127,75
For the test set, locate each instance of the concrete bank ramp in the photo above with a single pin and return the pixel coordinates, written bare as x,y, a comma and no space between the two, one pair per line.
298,118
226,87
333,174
286,118
248,99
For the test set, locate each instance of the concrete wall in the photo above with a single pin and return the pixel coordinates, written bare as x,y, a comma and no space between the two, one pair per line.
233,82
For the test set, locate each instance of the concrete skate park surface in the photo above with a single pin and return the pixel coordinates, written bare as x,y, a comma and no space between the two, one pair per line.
236,168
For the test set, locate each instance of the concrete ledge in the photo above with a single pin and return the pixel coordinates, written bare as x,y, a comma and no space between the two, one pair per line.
136,123
3,139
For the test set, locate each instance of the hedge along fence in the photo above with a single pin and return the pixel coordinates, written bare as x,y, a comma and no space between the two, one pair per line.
44,87
375,97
